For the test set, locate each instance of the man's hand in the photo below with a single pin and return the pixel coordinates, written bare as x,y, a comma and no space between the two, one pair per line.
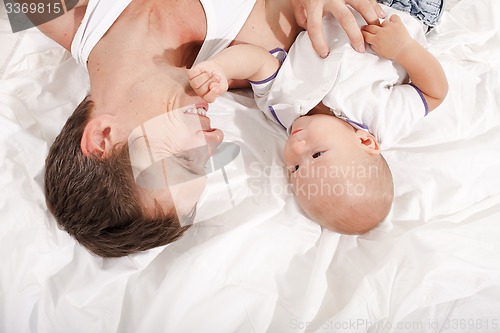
309,14
208,80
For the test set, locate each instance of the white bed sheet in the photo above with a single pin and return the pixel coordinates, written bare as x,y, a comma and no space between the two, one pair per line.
258,264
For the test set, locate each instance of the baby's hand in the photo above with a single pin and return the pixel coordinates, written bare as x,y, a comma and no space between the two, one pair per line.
208,80
389,39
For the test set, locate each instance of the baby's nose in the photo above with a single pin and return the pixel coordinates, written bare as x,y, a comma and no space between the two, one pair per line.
299,147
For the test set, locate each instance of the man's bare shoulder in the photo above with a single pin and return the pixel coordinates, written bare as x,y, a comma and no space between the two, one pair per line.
63,28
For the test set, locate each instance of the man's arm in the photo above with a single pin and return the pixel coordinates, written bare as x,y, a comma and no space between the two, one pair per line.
61,22
209,79
392,41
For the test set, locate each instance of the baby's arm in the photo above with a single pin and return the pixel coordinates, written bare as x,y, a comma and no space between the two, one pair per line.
392,41
209,79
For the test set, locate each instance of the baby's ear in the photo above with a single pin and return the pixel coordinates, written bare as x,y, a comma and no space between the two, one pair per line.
368,142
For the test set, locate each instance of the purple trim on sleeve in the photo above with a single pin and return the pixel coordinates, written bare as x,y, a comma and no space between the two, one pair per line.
280,59
279,49
360,125
423,99
275,116
272,77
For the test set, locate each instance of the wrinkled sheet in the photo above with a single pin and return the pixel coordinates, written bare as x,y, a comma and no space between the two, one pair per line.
253,262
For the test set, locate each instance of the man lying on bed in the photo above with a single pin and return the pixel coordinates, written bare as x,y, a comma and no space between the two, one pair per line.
333,153
136,53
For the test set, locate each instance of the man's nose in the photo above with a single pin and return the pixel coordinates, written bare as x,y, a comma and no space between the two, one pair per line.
214,138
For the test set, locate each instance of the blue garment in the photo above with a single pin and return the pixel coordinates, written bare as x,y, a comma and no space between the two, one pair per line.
427,11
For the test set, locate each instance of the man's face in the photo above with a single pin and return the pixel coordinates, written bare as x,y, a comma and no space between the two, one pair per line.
168,154
172,139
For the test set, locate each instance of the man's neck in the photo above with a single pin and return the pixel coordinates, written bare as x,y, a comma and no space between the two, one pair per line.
171,30
147,33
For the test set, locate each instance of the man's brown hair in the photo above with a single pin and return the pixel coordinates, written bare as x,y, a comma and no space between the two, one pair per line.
96,200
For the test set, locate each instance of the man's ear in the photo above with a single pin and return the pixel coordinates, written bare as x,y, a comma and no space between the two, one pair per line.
368,141
98,136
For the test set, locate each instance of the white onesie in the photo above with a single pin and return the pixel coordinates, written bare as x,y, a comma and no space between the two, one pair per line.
362,88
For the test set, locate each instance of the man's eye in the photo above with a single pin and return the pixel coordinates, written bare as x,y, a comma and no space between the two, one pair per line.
184,157
318,154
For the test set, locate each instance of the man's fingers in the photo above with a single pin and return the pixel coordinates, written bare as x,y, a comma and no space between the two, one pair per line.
300,13
348,23
314,26
367,9
309,14
318,40
378,9
372,29
380,12
368,36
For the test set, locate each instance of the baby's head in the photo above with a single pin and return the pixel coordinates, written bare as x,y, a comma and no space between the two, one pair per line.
338,175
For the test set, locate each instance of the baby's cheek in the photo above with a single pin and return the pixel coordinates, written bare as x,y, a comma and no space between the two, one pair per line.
286,152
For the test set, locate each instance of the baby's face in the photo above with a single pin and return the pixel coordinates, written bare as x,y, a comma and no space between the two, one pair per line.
316,138
319,148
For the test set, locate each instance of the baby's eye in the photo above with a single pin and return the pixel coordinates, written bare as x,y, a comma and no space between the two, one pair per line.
318,154
294,168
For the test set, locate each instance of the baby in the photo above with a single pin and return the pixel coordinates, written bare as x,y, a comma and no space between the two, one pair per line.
340,111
